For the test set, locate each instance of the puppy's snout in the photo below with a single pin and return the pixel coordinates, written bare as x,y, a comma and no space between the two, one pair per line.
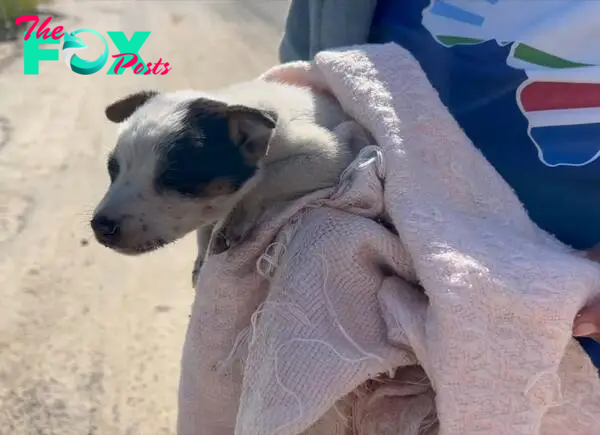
106,230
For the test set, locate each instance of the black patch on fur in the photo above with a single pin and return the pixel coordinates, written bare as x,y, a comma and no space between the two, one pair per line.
201,152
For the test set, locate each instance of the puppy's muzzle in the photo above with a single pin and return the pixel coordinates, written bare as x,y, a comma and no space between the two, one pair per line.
106,230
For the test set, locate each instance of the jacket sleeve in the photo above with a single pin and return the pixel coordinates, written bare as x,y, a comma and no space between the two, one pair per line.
315,25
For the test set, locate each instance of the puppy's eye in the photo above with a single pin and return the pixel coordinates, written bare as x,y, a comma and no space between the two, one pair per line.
113,169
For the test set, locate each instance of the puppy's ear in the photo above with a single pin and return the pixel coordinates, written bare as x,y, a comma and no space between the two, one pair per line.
251,129
122,109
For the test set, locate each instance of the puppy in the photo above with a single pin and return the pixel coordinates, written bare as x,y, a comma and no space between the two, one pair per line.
188,161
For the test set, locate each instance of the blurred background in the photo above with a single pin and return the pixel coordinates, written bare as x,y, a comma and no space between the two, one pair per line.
90,340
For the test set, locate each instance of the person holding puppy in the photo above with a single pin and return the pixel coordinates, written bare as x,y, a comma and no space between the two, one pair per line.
521,78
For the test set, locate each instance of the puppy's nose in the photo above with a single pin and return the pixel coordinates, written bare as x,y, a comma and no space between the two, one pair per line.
106,230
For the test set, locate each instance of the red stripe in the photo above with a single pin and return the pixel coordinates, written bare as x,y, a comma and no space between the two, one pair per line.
558,95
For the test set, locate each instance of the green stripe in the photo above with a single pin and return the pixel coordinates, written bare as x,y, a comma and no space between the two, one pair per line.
538,57
458,40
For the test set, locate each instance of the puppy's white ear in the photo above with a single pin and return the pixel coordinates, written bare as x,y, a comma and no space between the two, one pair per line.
122,109
251,129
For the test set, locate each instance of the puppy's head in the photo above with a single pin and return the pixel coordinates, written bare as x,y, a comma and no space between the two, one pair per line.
181,161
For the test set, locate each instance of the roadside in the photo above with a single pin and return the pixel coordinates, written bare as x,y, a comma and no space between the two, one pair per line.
90,340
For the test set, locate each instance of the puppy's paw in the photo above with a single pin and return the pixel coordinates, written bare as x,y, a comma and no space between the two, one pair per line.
228,237
236,229
242,223
218,244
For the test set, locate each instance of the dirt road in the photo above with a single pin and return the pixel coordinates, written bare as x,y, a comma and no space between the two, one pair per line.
90,340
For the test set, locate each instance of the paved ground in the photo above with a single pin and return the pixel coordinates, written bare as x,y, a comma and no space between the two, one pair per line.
90,340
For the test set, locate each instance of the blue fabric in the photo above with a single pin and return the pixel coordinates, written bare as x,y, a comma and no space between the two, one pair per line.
480,90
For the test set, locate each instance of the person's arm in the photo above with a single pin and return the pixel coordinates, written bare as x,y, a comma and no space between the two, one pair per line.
316,25
295,44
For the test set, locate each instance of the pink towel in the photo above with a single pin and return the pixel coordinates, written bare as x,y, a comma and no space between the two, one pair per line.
329,323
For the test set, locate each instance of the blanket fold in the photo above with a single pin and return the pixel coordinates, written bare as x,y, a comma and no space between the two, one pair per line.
329,323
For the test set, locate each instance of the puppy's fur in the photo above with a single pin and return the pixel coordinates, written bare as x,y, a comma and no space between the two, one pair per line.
189,160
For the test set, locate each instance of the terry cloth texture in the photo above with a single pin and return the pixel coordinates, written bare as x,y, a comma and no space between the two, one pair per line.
327,322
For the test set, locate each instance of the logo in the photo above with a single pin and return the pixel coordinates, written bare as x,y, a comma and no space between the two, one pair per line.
73,44
560,98
562,112
128,56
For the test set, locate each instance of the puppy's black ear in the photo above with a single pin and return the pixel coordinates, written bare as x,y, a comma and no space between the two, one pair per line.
122,109
251,129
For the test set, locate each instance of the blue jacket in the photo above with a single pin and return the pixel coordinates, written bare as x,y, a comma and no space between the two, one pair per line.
309,29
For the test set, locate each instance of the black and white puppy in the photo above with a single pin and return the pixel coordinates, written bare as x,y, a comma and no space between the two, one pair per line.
188,161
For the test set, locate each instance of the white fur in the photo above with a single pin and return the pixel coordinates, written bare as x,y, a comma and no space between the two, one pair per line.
303,156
